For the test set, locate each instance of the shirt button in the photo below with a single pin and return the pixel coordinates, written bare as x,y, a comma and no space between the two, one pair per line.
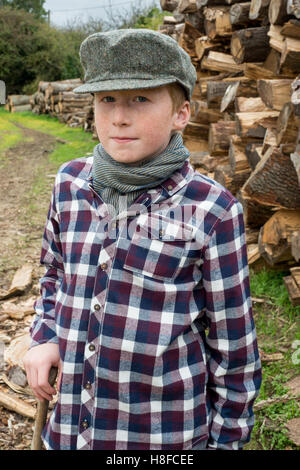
97,307
88,385
103,266
92,347
170,187
85,424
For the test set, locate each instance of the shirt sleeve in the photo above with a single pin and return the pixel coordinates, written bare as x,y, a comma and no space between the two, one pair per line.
234,369
43,329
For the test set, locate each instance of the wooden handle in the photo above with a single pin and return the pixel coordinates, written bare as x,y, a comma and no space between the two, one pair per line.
41,415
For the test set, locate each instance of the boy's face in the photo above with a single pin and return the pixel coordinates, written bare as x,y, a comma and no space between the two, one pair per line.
133,125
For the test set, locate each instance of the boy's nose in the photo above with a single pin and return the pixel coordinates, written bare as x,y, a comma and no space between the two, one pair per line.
120,115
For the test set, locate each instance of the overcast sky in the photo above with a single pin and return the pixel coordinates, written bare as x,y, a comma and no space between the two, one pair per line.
62,11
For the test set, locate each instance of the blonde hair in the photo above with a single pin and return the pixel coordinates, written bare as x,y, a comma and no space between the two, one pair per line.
177,95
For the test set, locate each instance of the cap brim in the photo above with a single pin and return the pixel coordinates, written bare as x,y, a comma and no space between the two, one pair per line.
122,84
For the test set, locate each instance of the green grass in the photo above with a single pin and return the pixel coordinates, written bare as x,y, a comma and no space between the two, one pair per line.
78,142
277,325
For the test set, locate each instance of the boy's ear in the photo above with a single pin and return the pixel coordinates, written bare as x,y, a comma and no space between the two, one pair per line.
182,116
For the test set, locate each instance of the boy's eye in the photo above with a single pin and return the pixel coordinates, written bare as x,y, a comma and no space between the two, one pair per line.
108,99
141,99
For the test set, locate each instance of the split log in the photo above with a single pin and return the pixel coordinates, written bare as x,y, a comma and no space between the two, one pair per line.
238,162
187,38
203,3
216,90
220,62
250,45
287,125
187,6
229,95
239,13
272,63
253,153
258,9
196,130
255,124
290,56
204,45
275,93
295,99
169,5
278,12
256,72
293,8
295,245
276,38
218,138
291,29
293,290
217,22
256,214
200,112
295,158
274,239
274,181
250,105
195,19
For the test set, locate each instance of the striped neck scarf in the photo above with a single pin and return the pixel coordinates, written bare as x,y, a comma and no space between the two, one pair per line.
112,179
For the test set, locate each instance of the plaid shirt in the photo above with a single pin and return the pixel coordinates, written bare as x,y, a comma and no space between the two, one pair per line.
152,314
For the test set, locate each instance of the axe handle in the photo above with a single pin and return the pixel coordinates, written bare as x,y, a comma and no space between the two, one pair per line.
41,415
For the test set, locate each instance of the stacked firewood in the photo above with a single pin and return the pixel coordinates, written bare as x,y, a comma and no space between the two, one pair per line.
59,100
17,103
245,114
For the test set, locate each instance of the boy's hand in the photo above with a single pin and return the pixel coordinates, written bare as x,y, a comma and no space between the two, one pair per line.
38,362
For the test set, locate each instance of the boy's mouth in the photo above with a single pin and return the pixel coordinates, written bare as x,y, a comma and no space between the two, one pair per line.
122,140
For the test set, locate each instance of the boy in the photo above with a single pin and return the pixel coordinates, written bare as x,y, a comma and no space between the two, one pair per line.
142,255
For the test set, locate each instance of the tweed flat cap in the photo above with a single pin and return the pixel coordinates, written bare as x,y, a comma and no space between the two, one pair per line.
129,59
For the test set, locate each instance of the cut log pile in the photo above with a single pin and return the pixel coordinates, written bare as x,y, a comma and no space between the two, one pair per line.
58,99
17,103
244,130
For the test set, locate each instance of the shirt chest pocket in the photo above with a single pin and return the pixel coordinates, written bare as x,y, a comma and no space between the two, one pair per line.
158,246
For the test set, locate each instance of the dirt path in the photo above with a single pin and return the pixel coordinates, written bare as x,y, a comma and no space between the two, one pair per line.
22,215
27,178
